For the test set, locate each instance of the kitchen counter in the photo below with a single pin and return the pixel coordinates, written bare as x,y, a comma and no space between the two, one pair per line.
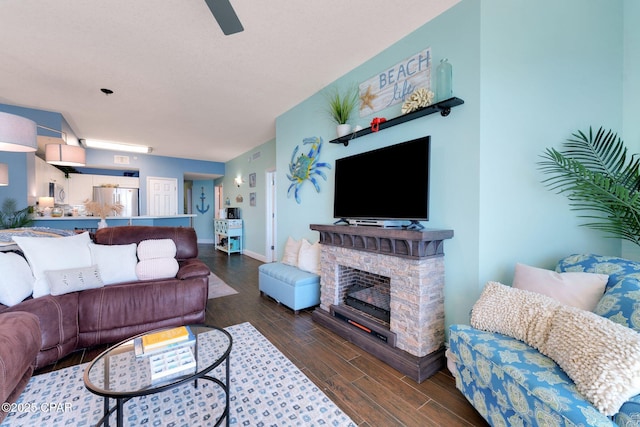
91,222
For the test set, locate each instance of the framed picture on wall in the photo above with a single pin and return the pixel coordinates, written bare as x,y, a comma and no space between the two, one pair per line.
252,180
252,199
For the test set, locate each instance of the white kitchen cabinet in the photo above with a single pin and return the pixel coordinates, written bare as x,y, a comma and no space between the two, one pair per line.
80,188
129,181
46,173
119,181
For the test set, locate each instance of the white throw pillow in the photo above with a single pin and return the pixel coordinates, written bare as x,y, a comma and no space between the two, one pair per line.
291,250
577,289
157,268
16,279
73,279
53,253
156,248
309,257
117,263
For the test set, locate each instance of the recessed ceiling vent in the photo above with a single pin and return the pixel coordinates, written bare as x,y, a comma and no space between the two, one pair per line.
121,160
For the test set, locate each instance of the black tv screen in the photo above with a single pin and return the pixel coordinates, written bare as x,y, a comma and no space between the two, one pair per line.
390,183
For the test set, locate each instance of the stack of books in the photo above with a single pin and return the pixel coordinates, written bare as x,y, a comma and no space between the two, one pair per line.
170,352
171,363
162,340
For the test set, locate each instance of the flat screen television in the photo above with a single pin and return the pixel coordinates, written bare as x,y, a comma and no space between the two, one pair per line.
390,183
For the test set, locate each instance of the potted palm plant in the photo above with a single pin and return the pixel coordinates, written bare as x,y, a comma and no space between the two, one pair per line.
601,181
12,217
340,107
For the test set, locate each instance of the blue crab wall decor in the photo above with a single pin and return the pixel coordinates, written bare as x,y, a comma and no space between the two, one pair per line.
306,167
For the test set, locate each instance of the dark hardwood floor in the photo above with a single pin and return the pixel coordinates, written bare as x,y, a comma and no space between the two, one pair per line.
369,391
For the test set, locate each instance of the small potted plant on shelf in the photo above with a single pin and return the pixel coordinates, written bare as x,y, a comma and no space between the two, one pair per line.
340,108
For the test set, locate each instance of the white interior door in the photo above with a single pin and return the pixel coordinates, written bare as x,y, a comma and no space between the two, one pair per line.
162,196
218,197
271,216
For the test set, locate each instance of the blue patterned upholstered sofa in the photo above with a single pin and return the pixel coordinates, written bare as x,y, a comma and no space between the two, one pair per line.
512,384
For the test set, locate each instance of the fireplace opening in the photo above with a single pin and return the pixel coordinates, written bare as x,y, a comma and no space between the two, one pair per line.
367,292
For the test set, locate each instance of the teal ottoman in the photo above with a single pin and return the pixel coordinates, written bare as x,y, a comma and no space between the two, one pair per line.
295,288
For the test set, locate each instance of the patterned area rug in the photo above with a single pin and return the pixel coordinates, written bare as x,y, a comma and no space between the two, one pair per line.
266,389
217,288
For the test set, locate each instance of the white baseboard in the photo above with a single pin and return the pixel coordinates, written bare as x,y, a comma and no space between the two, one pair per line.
255,255
251,254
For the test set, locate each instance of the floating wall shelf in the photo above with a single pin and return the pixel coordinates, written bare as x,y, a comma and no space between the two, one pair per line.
444,107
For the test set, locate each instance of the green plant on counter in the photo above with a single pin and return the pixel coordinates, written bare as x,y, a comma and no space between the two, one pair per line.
11,217
600,180
341,106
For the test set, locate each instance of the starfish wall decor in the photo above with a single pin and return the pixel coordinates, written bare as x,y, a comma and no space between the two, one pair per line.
367,99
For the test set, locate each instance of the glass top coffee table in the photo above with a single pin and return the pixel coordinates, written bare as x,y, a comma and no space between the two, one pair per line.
121,375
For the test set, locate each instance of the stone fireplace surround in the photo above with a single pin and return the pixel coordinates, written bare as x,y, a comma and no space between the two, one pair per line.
413,260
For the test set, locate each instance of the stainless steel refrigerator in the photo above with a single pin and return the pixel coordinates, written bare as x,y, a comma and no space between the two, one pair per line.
127,197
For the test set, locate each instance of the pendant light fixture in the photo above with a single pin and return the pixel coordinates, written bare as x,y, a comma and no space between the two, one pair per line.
20,134
17,133
65,155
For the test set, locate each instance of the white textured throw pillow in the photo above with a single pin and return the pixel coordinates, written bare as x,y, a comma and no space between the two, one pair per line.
577,289
16,279
600,356
117,263
520,314
53,253
156,248
309,257
73,279
157,268
291,250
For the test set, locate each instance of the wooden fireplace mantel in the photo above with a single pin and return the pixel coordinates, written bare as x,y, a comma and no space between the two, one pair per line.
400,242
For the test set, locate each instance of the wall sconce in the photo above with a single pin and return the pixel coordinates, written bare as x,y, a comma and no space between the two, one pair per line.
17,133
238,180
4,174
45,204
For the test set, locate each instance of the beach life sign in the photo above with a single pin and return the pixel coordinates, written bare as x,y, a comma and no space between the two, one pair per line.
393,85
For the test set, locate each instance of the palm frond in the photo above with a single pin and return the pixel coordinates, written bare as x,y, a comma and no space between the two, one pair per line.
12,217
600,180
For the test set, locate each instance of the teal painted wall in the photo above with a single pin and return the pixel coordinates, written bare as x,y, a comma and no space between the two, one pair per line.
558,71
203,221
259,160
631,93
530,75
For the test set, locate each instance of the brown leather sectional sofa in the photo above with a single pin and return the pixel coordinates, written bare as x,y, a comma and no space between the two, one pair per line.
104,315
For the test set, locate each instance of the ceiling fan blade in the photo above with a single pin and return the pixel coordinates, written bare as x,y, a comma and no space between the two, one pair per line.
225,15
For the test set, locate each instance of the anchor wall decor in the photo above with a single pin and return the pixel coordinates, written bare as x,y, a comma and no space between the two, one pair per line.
202,198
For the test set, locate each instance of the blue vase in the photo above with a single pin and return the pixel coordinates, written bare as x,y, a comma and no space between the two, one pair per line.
444,77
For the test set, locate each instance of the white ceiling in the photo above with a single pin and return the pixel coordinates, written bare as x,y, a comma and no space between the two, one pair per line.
179,84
